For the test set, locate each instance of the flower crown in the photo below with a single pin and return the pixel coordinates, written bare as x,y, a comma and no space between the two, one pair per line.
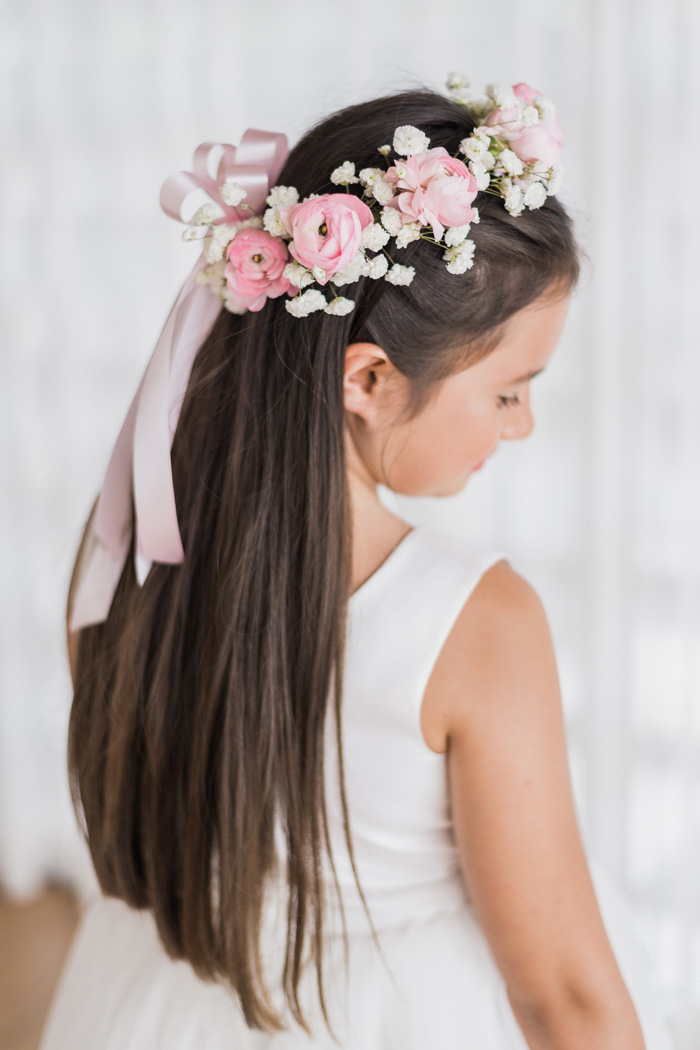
334,239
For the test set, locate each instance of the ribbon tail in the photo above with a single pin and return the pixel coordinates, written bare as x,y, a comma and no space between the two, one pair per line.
164,385
109,535
99,575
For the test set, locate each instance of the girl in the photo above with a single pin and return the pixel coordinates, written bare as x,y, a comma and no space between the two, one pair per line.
319,759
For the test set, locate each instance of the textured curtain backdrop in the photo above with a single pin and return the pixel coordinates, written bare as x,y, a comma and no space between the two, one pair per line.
599,509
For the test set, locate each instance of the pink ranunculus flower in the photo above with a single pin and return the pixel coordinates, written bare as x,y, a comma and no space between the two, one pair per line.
539,141
438,190
344,217
253,272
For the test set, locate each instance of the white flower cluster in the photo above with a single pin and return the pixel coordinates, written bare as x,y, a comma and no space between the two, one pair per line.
374,182
495,166
375,236
409,140
279,197
313,299
460,257
344,175
400,274
232,194
458,87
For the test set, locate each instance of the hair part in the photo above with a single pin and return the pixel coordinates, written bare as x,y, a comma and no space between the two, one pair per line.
196,729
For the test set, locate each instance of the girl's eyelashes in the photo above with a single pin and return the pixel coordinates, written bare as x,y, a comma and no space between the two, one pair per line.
509,400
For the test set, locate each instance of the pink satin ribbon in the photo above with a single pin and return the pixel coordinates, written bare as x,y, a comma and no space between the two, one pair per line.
140,459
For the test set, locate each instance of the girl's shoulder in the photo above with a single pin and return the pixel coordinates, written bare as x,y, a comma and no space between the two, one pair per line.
501,624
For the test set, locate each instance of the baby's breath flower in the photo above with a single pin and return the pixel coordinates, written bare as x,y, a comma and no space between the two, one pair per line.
232,194
284,196
319,273
378,267
529,116
488,160
339,306
382,191
555,178
391,220
374,236
273,224
205,215
480,174
475,145
409,141
535,195
306,303
352,271
511,162
407,234
385,150
400,274
455,235
456,80
297,274
545,108
463,95
221,236
513,197
502,95
368,176
476,217
345,174
460,258
193,233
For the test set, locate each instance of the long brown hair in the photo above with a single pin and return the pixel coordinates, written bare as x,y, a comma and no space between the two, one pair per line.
200,703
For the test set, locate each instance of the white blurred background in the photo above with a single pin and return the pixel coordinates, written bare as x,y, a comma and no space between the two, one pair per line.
599,509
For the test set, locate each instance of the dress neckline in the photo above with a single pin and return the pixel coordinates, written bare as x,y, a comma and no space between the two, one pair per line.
394,554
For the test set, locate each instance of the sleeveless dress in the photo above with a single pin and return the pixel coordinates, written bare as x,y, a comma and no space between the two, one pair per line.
434,983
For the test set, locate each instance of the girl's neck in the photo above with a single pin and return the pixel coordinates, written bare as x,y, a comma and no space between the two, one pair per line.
376,531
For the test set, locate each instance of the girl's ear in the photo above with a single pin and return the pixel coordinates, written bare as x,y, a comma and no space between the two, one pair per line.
367,368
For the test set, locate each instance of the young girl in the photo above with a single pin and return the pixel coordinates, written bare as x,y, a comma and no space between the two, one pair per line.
318,754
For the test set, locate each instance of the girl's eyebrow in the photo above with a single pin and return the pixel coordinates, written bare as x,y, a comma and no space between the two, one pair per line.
530,375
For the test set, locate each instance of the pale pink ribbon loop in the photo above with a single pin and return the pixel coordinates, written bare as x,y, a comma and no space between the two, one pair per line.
141,456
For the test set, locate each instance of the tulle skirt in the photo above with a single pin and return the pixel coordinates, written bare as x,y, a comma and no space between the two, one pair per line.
437,986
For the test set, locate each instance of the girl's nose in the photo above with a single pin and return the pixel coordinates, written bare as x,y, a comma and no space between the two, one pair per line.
520,419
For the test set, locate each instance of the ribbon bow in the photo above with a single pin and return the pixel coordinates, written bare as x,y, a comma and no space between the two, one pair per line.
141,455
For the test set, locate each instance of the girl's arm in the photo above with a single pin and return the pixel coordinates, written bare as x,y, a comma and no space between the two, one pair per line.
516,828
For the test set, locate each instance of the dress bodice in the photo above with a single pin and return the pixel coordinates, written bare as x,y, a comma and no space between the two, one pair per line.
396,786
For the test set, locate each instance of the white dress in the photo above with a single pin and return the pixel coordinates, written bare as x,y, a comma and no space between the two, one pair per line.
438,985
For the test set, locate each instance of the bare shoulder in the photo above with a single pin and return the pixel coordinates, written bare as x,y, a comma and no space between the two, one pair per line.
501,634
498,626
513,810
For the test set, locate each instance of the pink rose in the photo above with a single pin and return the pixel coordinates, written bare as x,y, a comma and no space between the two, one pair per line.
253,273
439,190
539,142
326,230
